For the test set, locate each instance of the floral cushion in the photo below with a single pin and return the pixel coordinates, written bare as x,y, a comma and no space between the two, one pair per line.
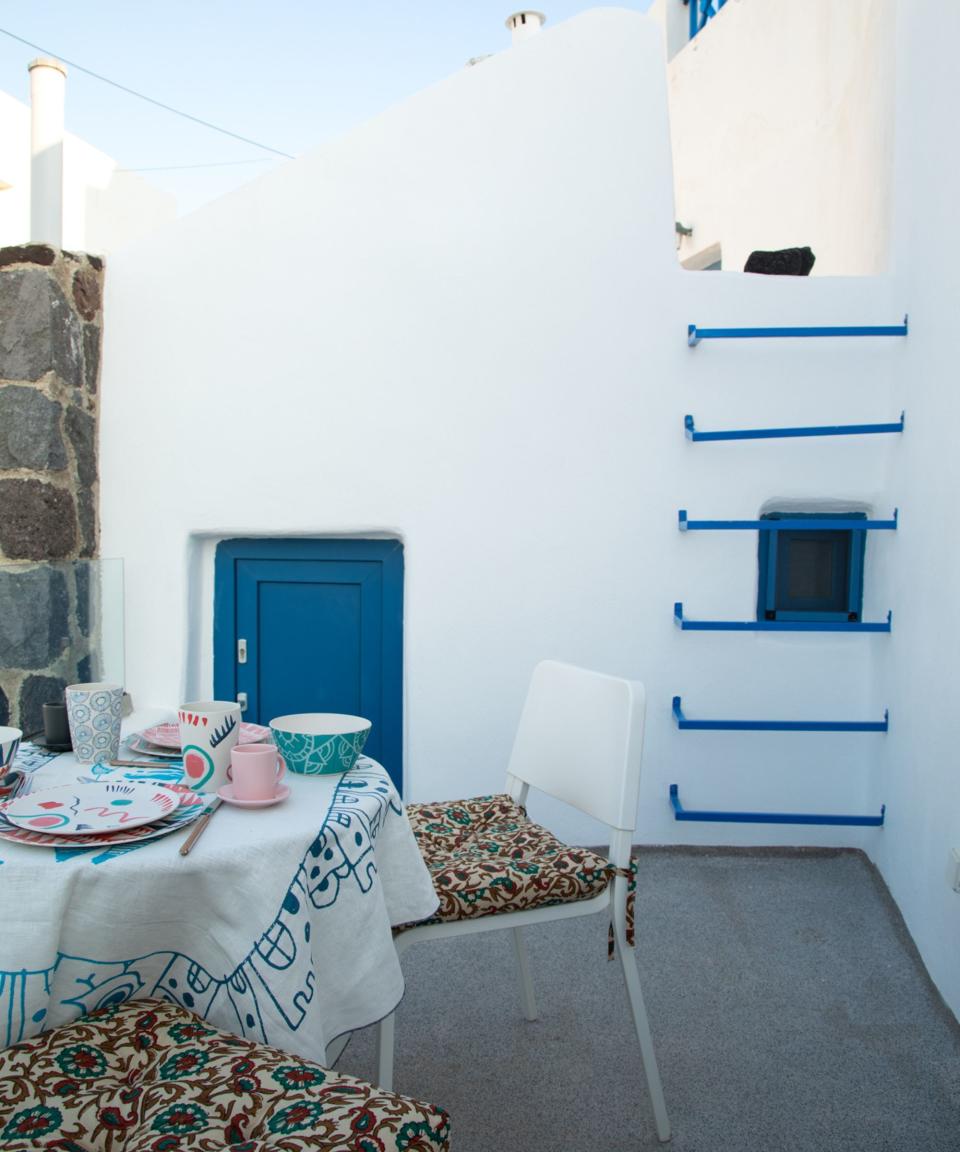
147,1076
486,856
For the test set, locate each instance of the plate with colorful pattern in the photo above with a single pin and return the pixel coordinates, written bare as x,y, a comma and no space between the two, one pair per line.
87,809
168,735
192,804
142,747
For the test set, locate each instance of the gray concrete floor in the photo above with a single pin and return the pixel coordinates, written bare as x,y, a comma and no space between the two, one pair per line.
789,1008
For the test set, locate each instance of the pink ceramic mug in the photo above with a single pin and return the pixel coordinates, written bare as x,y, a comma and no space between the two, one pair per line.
255,771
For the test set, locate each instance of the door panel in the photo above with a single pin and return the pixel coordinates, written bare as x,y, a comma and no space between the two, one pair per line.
322,620
309,638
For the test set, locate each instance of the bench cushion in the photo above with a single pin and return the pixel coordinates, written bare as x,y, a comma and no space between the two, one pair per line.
485,856
148,1076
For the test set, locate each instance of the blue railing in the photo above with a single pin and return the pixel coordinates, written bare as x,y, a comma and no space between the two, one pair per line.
701,11
779,625
681,813
786,524
695,334
687,725
778,433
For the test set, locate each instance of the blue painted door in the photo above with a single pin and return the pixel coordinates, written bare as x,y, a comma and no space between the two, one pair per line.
313,626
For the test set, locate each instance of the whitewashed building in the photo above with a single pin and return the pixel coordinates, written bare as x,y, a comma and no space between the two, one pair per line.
781,123
463,327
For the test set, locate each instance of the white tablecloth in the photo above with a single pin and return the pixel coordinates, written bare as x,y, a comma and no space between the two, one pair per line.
275,927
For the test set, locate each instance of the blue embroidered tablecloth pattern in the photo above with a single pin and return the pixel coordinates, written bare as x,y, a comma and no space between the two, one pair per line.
276,927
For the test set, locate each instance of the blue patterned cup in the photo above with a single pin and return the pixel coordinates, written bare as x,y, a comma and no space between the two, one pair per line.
318,743
93,713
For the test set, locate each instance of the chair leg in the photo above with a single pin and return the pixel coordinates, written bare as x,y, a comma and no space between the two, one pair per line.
385,1039
335,1049
642,1025
528,1001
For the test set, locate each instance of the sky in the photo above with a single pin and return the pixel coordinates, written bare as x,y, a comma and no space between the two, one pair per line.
288,74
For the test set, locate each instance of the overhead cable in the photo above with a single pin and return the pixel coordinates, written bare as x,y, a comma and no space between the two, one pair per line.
212,164
140,96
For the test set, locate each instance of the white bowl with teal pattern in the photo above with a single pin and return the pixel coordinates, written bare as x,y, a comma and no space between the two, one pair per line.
319,743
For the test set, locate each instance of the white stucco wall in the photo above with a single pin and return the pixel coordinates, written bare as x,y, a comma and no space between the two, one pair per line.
918,670
103,208
464,324
781,121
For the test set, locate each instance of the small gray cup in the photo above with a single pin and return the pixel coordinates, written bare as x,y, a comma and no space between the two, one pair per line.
93,712
55,728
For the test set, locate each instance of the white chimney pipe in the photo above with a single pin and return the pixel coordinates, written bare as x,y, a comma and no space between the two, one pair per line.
48,80
523,25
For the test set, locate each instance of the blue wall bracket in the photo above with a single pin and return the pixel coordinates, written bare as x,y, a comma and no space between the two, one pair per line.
681,813
781,433
801,524
777,725
779,625
695,334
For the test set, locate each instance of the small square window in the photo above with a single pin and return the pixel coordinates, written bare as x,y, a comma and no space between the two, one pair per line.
811,574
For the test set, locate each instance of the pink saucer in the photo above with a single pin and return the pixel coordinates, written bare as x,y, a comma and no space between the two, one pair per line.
226,793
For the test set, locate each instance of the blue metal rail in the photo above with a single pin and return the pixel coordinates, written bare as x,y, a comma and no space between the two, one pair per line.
695,334
701,11
778,625
782,433
803,524
777,725
681,813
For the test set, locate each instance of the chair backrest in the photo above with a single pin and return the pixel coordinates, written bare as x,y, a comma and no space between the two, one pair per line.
580,739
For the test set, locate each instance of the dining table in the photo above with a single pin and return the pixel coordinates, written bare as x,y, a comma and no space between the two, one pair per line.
277,926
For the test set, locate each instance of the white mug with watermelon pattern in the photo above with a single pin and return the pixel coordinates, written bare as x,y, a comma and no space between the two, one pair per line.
209,731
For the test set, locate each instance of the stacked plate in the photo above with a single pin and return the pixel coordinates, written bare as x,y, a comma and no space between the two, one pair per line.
163,740
99,814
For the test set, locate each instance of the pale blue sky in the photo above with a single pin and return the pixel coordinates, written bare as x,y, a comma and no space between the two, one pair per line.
288,74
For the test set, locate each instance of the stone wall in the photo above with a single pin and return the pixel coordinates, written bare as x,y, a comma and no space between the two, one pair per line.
50,336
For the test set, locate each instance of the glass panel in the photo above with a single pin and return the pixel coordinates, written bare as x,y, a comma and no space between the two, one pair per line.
813,571
810,569
60,623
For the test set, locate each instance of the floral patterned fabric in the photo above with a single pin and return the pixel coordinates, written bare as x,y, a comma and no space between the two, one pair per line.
486,856
148,1076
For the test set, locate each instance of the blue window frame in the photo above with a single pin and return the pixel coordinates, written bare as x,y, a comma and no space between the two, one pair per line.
811,574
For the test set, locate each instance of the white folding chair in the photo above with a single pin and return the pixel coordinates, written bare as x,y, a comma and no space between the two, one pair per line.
580,740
